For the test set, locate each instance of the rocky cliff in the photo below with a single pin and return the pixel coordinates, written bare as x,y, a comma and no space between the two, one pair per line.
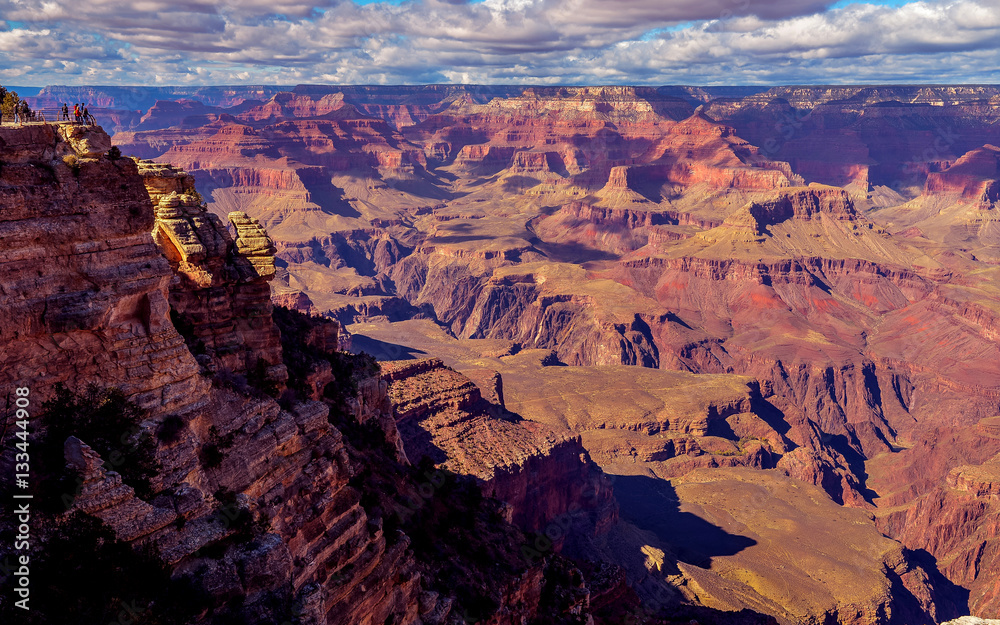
877,135
684,453
221,300
605,227
445,416
262,508
84,276
104,308
973,176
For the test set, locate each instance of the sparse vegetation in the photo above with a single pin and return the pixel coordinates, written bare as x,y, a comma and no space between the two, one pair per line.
197,197
458,536
258,378
107,421
73,163
238,516
169,430
211,453
301,358
81,573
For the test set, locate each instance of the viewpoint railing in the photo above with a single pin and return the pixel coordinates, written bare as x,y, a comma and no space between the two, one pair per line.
45,116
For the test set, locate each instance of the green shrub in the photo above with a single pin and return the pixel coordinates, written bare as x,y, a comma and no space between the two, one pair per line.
169,431
257,377
109,422
81,573
211,453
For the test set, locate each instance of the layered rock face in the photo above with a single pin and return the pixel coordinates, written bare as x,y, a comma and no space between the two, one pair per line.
618,226
83,275
974,176
100,313
347,573
956,519
684,454
883,136
261,507
541,473
258,153
222,301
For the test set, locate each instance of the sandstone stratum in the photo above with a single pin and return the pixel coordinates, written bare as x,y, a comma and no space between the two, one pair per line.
652,355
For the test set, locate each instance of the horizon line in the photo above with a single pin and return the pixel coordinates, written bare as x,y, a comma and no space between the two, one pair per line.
513,85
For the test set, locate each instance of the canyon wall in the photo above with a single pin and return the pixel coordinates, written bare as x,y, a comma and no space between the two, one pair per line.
679,230
254,503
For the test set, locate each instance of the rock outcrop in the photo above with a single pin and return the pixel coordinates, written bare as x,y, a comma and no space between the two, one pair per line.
541,473
268,510
983,481
865,137
101,314
975,176
222,300
82,273
624,226
643,425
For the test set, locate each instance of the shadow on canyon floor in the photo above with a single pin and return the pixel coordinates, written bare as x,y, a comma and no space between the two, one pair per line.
420,442
575,253
328,197
383,350
652,504
952,600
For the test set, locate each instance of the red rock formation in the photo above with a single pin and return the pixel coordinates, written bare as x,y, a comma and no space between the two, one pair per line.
616,227
222,297
295,300
540,473
107,296
801,205
167,113
485,157
103,315
285,105
983,481
975,176
285,526
699,150
864,135
959,528
533,162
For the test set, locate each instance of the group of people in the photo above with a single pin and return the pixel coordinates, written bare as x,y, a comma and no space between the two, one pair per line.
80,114
23,113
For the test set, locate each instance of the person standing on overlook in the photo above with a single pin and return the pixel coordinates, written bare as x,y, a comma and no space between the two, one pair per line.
65,112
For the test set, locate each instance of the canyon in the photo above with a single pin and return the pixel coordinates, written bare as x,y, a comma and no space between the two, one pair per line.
723,354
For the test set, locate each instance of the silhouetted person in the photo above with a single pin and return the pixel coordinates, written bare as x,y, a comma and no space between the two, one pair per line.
65,112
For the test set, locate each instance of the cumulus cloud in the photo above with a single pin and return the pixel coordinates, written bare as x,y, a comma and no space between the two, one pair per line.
513,41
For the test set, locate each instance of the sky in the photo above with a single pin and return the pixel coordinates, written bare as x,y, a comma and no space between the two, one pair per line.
568,42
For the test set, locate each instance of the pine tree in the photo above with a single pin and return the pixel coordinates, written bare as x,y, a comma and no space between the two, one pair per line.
10,103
